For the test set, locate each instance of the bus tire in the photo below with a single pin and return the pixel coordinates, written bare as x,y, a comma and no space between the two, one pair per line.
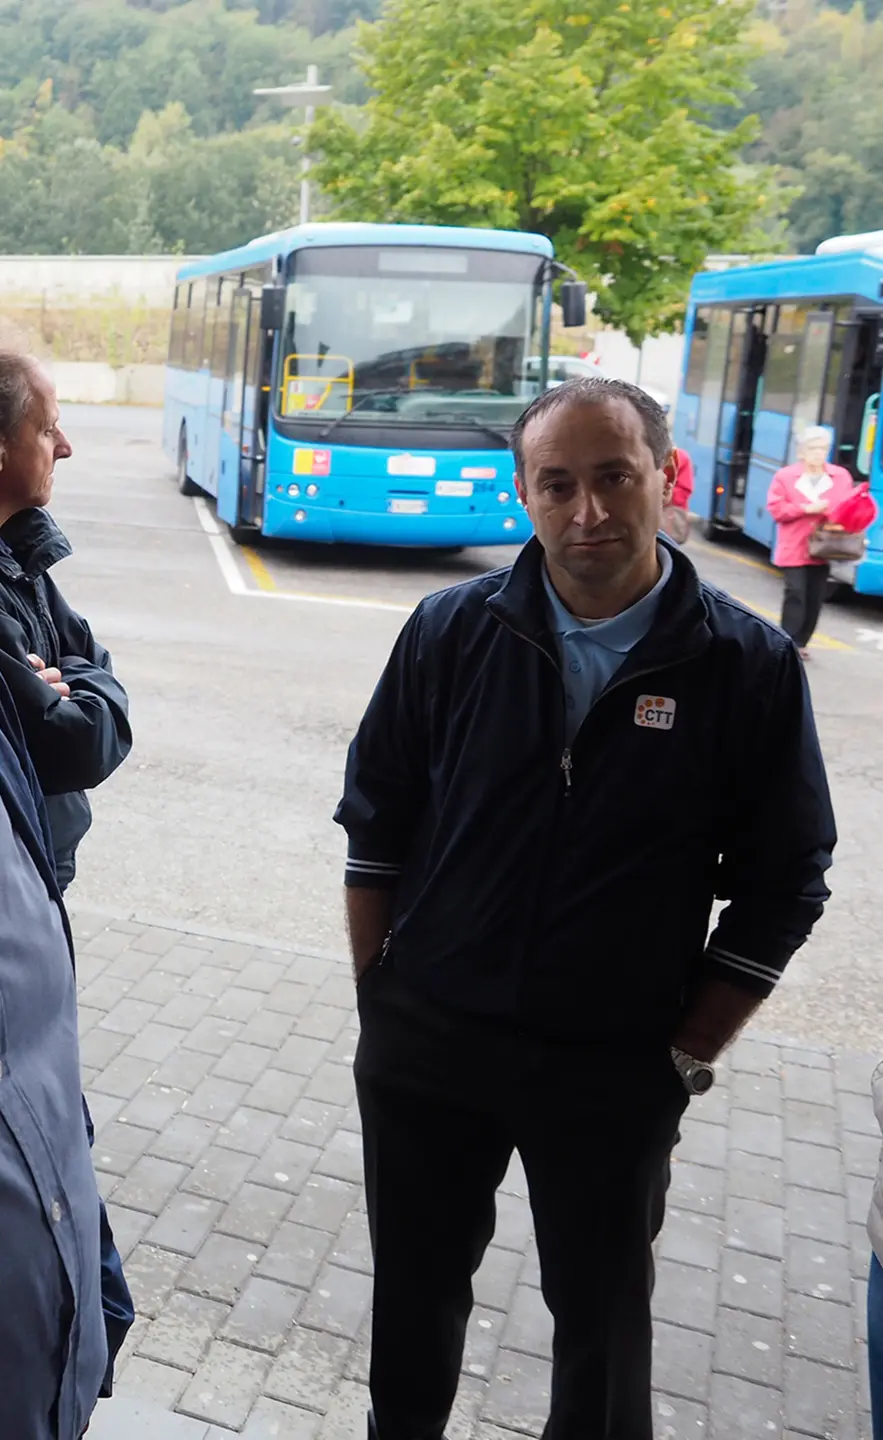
711,531
185,485
243,534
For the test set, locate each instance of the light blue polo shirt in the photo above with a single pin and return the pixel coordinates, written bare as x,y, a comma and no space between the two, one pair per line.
590,653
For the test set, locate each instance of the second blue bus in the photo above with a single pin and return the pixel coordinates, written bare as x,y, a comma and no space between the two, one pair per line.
769,350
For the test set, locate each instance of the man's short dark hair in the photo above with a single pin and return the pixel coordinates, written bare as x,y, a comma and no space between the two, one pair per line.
595,390
17,372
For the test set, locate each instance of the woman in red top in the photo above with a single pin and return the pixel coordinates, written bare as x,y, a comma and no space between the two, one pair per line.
675,516
683,489
798,499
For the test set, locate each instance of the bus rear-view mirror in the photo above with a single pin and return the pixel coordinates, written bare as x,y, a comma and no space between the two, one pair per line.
572,296
272,307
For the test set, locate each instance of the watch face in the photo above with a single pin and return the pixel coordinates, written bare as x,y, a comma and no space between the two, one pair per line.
702,1079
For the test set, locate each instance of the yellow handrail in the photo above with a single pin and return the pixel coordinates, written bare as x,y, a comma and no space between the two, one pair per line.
293,398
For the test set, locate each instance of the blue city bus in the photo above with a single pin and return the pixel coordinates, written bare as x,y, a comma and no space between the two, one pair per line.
770,349
354,382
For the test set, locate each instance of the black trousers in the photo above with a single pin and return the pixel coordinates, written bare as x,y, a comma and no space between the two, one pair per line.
802,602
444,1101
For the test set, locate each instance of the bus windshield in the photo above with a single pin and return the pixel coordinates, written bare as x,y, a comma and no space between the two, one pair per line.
408,335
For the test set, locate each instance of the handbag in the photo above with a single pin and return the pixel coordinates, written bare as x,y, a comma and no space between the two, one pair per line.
676,524
826,543
856,512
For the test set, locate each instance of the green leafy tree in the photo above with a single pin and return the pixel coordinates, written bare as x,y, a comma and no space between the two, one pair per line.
587,121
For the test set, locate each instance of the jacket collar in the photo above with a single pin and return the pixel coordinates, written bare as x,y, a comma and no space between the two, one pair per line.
679,631
31,542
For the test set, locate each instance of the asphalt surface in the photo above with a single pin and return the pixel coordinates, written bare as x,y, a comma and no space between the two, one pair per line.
249,670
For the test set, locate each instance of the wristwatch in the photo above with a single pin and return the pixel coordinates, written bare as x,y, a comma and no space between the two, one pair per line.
697,1075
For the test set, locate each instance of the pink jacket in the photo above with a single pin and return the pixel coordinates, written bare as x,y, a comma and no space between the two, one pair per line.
785,501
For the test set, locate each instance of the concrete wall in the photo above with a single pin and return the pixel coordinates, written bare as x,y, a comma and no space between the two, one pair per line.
88,382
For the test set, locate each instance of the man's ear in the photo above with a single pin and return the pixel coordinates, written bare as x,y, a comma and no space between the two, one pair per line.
520,489
669,470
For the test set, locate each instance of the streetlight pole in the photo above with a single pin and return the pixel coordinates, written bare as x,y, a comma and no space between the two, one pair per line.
309,117
310,96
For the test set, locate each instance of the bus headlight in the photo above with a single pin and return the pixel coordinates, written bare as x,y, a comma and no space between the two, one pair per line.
503,497
312,490
300,516
509,522
294,491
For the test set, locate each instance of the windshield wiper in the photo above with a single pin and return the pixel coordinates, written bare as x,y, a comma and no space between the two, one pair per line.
360,404
455,416
460,417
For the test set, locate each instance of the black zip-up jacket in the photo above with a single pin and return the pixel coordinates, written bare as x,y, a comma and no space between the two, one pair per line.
571,889
74,744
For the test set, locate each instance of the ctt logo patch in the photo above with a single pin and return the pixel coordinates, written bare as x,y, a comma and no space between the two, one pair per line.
655,712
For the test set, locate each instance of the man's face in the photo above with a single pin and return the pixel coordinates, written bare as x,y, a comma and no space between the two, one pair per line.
593,490
28,459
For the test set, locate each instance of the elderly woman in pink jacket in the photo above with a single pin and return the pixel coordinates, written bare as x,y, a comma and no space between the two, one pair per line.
799,498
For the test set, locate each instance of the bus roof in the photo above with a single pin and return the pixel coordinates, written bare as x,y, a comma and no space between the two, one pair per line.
805,278
283,242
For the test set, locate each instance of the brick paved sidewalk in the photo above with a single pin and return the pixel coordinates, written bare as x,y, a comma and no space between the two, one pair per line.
218,1072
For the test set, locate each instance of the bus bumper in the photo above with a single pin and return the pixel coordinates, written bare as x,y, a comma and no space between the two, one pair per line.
865,577
323,525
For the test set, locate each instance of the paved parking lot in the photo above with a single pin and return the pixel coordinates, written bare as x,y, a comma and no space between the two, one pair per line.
219,1076
218,1021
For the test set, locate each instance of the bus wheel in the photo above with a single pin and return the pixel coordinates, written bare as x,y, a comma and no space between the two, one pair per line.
712,531
185,484
243,534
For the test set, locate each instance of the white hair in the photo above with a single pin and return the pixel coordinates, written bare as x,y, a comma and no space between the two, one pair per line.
814,433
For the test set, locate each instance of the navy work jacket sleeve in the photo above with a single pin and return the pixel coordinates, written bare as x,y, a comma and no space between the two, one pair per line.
387,780
772,869
75,744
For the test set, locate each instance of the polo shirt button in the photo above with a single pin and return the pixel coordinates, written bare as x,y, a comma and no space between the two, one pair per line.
55,1212
575,666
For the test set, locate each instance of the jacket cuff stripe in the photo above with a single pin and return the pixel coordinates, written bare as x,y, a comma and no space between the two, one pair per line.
769,974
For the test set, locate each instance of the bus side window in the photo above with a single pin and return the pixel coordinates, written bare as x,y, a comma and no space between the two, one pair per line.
221,339
212,296
698,352
179,324
193,334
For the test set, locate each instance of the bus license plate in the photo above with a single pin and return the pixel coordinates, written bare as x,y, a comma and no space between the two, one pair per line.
407,507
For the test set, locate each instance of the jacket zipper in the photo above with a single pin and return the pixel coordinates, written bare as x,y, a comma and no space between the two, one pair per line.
565,764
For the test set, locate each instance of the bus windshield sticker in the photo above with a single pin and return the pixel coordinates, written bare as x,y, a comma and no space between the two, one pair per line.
478,472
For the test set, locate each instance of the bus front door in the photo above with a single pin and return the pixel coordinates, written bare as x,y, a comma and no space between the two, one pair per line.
748,357
817,336
242,470
806,409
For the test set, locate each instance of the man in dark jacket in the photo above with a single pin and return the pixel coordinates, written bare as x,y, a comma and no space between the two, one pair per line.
73,712
562,767
53,1345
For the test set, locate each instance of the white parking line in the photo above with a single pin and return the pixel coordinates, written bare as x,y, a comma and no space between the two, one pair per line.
237,586
226,563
